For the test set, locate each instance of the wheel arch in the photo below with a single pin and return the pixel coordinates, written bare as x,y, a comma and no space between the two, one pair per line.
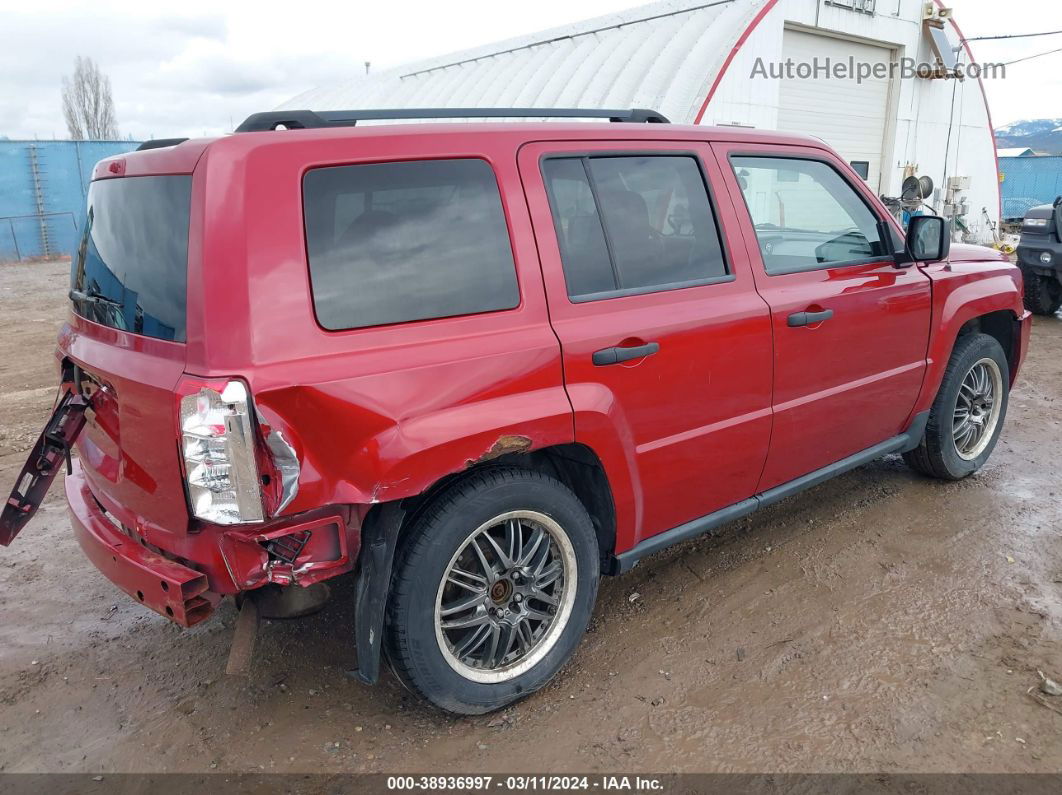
1002,325
970,303
575,465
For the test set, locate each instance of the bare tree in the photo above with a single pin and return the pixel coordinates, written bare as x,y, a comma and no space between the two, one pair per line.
87,103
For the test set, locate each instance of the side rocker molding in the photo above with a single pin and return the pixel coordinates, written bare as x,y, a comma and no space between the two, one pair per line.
709,524
378,541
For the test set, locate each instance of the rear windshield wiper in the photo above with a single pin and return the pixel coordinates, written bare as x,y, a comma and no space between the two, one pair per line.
93,297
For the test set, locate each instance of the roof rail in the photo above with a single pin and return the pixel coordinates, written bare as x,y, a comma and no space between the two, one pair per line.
160,143
308,119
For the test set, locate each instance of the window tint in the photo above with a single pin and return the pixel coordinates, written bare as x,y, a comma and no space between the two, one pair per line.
130,270
653,211
587,267
806,216
394,242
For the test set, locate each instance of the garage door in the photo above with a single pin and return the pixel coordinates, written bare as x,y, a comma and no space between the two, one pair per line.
848,115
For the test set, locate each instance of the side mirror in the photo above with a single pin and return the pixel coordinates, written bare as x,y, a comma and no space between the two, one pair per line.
928,239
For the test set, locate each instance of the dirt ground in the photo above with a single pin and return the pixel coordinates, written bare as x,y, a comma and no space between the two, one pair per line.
881,622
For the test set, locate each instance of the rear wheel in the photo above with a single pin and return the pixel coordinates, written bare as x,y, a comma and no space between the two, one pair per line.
1043,294
967,416
493,590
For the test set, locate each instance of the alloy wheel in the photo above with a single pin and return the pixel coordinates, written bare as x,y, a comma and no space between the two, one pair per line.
505,596
977,409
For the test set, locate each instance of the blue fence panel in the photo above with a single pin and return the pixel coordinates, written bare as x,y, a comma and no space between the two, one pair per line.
16,198
1029,182
43,189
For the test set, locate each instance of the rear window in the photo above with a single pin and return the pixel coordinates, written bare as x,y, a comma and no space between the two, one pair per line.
130,271
396,242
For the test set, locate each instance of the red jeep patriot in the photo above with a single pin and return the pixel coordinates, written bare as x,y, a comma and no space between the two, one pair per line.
479,365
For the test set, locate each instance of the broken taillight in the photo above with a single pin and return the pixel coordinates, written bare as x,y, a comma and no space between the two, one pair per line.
237,469
218,448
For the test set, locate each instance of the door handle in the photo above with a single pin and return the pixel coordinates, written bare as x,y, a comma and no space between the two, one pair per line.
798,319
608,356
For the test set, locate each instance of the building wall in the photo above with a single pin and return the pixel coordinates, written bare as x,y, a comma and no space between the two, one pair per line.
43,189
1029,182
661,56
918,134
669,55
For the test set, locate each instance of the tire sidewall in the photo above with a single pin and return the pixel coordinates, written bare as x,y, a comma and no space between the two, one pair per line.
1043,293
980,347
423,659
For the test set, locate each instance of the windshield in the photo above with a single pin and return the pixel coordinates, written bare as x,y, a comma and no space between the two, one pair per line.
130,271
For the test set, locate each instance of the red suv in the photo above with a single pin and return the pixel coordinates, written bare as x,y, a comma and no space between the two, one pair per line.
481,364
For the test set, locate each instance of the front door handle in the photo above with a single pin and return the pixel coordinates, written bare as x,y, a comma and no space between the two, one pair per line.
798,319
609,356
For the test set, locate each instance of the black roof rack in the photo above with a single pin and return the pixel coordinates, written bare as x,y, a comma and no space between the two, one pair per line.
160,143
308,119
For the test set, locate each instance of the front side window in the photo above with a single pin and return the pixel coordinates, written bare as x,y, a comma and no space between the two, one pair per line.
632,224
806,216
398,242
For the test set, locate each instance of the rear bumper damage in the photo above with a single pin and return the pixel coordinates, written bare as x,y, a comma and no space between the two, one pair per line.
183,577
166,586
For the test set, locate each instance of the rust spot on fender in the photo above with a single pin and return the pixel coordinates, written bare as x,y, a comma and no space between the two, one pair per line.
505,445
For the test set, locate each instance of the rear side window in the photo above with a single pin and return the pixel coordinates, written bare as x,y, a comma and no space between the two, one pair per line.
130,271
632,224
396,242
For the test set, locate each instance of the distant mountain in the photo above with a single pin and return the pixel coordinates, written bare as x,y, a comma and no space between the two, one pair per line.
1043,135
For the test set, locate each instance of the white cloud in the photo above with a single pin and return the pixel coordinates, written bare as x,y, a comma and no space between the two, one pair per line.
200,67
1031,90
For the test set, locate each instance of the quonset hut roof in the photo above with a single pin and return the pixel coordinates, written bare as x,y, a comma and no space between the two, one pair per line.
664,55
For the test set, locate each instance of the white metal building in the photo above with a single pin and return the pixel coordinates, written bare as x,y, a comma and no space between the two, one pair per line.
724,62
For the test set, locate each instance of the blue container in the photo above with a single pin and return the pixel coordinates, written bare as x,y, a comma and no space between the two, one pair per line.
43,190
1029,182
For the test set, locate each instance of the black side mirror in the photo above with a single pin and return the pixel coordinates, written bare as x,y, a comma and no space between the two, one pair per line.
928,239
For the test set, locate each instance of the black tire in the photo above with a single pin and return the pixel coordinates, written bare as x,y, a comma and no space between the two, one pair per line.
433,544
937,455
1043,294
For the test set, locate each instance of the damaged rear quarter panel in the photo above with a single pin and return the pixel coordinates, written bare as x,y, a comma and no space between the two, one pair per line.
378,413
353,454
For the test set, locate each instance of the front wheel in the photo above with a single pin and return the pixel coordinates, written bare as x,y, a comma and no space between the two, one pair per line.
1043,294
493,590
967,416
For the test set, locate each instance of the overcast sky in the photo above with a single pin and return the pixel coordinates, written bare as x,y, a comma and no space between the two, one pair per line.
198,67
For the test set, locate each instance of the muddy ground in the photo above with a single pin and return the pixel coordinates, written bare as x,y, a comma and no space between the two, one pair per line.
881,622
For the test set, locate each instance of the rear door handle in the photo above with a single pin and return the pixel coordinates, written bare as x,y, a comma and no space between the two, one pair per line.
798,319
609,356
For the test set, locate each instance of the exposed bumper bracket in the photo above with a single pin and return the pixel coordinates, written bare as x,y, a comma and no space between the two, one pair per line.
51,450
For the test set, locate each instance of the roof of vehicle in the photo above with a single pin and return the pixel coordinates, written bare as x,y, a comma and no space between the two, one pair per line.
182,158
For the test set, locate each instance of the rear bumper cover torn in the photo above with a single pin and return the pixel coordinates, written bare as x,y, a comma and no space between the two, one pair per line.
183,577
167,587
